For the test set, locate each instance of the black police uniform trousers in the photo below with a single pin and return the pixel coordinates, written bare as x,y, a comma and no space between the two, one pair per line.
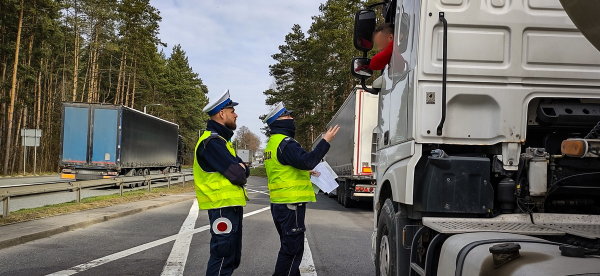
289,221
225,249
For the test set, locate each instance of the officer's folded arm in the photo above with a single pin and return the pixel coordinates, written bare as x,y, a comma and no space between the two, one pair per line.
218,157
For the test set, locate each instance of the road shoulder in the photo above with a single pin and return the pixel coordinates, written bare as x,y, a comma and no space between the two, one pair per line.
19,233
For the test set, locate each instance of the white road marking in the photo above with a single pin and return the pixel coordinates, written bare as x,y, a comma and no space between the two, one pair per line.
255,191
307,266
179,254
137,249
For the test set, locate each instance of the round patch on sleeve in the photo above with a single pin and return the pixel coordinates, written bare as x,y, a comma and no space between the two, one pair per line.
222,226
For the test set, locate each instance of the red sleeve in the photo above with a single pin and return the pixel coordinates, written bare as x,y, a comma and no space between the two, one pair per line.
380,60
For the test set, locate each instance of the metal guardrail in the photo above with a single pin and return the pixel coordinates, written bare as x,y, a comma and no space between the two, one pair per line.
21,190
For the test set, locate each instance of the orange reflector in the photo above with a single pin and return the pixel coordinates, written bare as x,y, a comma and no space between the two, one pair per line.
67,175
575,148
366,169
357,189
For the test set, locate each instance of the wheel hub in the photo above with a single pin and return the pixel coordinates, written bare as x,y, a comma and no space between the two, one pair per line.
384,256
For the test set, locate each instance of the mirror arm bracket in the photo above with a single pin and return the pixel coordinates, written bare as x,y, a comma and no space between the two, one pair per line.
377,4
374,91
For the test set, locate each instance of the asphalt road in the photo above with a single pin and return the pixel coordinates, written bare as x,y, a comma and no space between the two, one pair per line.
8,181
35,201
338,242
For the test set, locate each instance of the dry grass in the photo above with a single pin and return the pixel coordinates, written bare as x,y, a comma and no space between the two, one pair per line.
94,203
259,171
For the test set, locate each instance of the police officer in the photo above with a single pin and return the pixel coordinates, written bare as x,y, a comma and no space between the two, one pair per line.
220,176
288,167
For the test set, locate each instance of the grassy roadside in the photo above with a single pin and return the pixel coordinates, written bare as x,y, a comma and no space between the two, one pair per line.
259,171
94,203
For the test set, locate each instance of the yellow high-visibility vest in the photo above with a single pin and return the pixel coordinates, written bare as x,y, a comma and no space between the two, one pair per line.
286,183
214,190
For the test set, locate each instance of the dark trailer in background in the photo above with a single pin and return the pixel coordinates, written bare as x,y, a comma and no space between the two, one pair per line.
103,141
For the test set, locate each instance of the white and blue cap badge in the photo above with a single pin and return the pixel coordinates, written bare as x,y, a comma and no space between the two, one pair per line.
277,111
223,102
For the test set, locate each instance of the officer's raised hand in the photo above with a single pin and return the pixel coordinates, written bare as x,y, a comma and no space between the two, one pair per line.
330,134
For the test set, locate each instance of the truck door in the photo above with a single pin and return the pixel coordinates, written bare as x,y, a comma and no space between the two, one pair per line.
104,136
75,134
401,72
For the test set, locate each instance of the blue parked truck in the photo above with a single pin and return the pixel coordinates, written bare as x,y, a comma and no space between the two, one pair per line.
105,141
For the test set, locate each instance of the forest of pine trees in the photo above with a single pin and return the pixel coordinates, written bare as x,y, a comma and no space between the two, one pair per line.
97,51
312,72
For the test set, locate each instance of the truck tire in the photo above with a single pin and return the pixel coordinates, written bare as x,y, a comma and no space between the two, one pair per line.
344,194
388,223
385,246
349,203
339,194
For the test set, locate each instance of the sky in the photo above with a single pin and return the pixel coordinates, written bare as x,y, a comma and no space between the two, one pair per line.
230,43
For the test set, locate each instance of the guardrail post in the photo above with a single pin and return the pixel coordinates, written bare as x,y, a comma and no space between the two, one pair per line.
79,195
184,180
5,211
120,182
169,181
149,183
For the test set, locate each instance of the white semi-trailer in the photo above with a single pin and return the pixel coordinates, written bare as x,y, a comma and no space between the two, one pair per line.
246,155
487,152
350,155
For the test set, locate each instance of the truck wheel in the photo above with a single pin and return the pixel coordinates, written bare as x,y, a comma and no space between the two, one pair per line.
140,172
144,173
385,255
344,191
349,201
339,194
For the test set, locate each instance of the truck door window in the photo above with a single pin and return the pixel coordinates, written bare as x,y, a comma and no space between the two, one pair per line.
401,71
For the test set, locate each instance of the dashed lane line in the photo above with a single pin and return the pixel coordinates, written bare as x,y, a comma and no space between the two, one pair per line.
137,249
179,254
256,191
307,266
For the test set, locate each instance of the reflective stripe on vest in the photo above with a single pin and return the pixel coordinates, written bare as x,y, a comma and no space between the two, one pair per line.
213,190
286,183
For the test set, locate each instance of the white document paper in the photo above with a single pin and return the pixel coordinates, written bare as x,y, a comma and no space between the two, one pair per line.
326,180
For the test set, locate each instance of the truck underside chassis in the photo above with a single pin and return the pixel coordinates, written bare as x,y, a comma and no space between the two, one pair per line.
352,190
463,189
82,174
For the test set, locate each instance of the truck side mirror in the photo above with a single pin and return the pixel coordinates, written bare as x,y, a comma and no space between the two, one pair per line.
360,68
364,25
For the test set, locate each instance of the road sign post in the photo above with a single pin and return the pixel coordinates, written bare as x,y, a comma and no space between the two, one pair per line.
30,138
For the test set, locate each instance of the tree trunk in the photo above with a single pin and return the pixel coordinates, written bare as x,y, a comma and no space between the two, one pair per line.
123,80
134,78
118,91
3,105
97,97
76,58
63,97
2,90
87,71
17,154
127,91
11,106
39,95
94,80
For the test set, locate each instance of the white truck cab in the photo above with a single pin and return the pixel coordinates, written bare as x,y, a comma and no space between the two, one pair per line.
487,151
